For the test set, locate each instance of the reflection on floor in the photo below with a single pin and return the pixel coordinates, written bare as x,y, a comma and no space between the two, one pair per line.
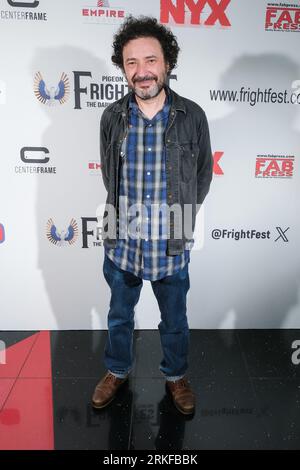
247,384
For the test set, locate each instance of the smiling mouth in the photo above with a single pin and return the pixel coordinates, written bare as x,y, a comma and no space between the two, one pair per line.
146,83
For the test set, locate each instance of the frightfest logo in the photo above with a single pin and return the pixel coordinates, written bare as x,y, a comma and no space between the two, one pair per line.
99,93
54,94
67,236
89,92
62,237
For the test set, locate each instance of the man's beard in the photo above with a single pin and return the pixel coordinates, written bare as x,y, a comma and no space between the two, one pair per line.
153,91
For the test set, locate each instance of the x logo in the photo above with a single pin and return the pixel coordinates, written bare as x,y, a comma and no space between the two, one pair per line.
282,234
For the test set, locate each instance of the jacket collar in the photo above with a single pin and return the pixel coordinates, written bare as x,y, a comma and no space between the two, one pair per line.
177,102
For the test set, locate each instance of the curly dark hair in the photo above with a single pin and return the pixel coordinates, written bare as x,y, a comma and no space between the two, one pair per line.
145,26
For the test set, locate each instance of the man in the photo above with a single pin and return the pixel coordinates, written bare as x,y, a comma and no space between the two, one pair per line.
155,152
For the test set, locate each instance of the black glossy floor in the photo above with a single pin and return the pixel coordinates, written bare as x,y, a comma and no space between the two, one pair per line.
247,384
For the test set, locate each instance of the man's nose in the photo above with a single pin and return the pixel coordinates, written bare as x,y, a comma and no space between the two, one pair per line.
141,70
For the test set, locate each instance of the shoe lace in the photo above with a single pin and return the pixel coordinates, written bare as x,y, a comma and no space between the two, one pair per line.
110,378
181,383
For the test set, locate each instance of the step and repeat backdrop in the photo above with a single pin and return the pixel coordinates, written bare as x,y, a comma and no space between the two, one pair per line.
240,62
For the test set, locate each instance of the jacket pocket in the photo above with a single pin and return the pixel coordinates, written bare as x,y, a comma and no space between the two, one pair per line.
188,161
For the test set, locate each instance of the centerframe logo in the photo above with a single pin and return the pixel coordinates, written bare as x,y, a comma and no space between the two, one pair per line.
26,4
27,154
23,10
35,161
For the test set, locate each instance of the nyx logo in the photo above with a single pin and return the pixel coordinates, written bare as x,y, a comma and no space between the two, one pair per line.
178,11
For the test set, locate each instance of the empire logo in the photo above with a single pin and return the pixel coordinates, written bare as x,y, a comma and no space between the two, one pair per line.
195,13
103,13
94,167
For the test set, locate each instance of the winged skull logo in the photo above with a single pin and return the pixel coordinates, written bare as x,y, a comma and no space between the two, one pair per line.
54,94
63,237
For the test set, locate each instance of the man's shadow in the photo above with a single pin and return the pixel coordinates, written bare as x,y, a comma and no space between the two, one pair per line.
250,283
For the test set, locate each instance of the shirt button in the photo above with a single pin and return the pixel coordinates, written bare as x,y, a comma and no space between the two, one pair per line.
149,149
170,196
148,173
148,195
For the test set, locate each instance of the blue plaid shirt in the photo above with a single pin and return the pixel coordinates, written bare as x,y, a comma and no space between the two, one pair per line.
143,181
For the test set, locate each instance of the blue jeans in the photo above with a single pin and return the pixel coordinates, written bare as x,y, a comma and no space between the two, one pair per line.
170,293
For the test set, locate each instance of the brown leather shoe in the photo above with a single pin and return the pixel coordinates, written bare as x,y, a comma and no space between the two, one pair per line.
106,390
182,395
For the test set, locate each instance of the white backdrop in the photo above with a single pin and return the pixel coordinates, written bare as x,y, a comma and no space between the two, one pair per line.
239,69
